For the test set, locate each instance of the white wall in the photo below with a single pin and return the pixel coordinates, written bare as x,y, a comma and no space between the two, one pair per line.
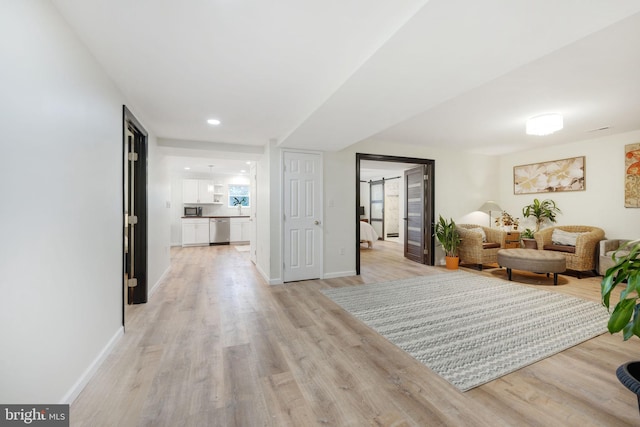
264,199
159,213
61,212
601,204
365,198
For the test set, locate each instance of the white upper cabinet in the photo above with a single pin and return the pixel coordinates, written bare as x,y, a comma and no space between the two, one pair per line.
190,191
205,191
201,191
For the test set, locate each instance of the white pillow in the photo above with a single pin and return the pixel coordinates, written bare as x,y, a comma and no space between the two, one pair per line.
481,231
566,238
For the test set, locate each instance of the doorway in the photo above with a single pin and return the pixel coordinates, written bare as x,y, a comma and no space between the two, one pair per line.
421,209
134,203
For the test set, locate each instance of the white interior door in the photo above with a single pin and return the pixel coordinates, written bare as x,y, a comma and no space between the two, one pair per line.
302,177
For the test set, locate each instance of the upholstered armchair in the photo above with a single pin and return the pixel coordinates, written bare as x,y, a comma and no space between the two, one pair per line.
607,248
578,243
479,245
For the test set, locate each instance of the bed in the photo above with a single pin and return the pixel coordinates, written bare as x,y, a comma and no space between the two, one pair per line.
367,234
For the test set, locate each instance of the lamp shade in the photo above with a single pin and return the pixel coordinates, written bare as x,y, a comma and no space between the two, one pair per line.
490,206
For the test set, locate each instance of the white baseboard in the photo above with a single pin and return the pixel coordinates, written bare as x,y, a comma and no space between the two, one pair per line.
86,376
339,274
160,280
267,278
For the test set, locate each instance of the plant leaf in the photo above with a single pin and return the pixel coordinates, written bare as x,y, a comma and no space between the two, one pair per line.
606,286
621,315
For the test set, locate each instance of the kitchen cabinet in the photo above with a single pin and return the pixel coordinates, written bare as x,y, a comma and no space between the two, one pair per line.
190,191
202,191
218,194
240,229
195,231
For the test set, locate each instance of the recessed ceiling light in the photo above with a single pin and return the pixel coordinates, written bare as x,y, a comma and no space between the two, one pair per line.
213,122
242,171
248,163
544,124
187,168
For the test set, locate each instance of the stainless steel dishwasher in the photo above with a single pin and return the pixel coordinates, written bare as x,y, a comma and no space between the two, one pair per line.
219,231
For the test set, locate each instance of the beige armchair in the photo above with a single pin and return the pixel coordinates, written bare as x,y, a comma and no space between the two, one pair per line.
581,256
607,248
473,250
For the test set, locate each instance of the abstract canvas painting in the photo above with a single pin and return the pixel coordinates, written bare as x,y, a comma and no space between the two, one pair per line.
632,176
547,177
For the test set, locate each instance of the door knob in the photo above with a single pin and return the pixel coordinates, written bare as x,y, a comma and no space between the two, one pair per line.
316,222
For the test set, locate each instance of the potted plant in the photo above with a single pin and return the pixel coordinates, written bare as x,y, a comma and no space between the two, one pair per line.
542,211
448,236
507,221
625,316
528,242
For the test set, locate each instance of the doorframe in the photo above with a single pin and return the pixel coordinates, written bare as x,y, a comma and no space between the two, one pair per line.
431,191
140,134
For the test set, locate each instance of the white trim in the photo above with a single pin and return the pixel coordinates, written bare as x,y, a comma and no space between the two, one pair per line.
266,278
160,280
86,376
339,274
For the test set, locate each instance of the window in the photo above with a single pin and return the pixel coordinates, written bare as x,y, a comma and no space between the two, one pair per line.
238,195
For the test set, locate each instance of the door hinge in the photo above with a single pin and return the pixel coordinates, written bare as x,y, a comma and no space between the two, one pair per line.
426,177
133,156
132,283
133,219
426,251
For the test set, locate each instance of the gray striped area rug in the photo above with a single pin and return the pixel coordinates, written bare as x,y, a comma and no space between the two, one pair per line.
471,329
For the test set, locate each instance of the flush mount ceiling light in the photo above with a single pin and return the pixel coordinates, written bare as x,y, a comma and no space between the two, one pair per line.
213,122
544,124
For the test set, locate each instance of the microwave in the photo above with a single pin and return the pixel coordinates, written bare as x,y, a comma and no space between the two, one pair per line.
193,211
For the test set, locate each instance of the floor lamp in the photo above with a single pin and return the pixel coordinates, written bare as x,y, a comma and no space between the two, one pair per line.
488,207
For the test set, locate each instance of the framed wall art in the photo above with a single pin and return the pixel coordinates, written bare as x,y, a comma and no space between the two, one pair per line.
550,177
632,176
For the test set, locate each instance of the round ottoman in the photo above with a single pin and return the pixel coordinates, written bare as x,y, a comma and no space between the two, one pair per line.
533,260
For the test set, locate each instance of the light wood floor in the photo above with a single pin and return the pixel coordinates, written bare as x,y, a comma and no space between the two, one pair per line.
216,346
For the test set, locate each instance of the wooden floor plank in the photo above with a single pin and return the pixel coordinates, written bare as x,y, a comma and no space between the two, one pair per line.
217,346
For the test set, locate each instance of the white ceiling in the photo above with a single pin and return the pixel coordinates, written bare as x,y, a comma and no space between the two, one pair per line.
326,74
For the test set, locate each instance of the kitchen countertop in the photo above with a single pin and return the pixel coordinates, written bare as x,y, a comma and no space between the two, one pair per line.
217,216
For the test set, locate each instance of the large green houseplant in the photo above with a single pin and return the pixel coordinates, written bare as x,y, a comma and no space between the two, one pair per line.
448,236
542,211
625,316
